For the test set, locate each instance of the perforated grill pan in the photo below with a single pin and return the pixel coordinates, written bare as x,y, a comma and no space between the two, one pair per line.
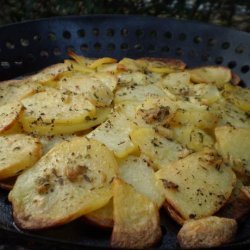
30,46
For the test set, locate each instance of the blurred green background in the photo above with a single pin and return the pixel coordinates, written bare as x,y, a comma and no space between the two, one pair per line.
223,12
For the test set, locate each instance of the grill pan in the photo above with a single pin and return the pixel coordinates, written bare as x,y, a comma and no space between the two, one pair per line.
30,46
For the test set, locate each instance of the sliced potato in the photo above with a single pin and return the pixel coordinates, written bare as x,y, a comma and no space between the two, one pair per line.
15,90
48,74
72,179
216,75
136,219
239,96
137,93
115,134
207,232
234,144
132,78
88,85
49,129
9,114
17,152
57,107
192,137
137,172
198,185
229,114
102,217
160,150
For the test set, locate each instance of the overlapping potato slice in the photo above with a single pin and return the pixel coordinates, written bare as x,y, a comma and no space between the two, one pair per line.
72,179
48,142
88,85
17,152
9,114
137,93
57,107
16,90
137,172
161,151
115,134
102,217
207,232
136,219
198,185
42,128
216,75
240,97
229,114
192,137
234,145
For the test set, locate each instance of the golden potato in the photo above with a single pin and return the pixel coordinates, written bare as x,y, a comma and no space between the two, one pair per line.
207,232
161,151
234,144
9,114
102,217
137,172
72,179
18,152
198,185
136,219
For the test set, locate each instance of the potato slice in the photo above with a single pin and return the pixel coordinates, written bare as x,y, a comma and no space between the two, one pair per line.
48,74
88,85
160,150
192,137
102,217
229,114
9,114
132,78
234,144
136,219
57,107
137,172
137,93
207,232
216,75
49,129
73,179
198,185
114,133
15,90
239,96
48,142
177,83
17,152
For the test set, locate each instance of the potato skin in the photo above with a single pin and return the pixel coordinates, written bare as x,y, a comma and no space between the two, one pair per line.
206,232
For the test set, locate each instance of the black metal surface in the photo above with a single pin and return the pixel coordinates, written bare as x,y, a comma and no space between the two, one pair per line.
30,46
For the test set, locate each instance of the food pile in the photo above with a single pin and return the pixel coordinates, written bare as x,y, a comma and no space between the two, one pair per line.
113,142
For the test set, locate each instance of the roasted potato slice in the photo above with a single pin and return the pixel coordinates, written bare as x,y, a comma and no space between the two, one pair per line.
239,96
192,137
137,172
9,114
102,217
137,93
16,90
206,232
161,151
88,85
17,152
115,134
136,219
57,107
198,185
234,144
216,75
49,129
72,179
